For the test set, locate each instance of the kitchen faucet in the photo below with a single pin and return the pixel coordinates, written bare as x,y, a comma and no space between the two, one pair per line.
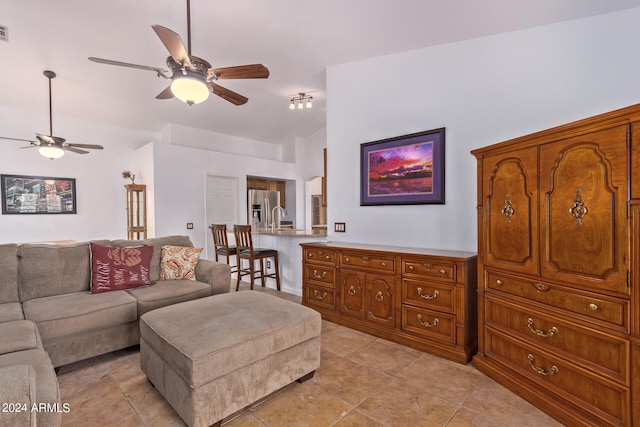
273,216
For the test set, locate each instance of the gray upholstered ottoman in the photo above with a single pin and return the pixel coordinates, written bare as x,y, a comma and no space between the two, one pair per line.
213,356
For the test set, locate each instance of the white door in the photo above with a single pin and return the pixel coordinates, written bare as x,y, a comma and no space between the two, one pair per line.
221,206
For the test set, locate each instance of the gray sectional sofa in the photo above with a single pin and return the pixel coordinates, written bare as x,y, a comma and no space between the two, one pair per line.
48,317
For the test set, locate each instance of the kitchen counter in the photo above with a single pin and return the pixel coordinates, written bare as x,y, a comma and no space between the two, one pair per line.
290,232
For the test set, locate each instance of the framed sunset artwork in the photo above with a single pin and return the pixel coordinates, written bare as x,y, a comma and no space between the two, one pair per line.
405,170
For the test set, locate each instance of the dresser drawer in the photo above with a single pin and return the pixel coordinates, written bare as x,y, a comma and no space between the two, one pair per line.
320,256
585,303
368,261
433,295
319,273
595,350
320,296
430,268
605,399
429,323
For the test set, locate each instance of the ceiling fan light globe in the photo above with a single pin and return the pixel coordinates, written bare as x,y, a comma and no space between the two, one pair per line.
51,152
189,89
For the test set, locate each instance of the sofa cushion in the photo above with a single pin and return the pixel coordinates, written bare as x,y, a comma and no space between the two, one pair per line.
46,270
9,276
115,268
61,315
18,388
157,243
167,292
179,262
19,335
46,383
11,311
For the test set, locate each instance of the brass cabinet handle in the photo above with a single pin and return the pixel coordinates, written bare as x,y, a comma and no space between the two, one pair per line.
442,271
434,295
319,276
540,333
426,265
593,306
379,296
352,290
366,259
327,257
427,324
508,210
318,296
499,282
541,371
346,259
411,268
540,287
384,264
578,210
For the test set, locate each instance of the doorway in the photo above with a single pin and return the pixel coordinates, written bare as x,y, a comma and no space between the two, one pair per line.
221,207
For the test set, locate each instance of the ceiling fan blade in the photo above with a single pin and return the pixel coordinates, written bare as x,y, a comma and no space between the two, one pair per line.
91,146
253,71
128,65
165,94
32,145
20,139
228,95
50,140
74,150
173,42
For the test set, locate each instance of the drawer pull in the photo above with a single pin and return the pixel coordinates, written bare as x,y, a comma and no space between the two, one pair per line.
365,258
426,265
379,296
411,268
427,324
327,257
384,264
434,295
443,271
593,306
541,371
352,290
540,287
540,333
318,295
499,282
319,276
346,259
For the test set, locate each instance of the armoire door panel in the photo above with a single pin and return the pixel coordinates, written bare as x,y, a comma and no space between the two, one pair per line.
512,211
584,185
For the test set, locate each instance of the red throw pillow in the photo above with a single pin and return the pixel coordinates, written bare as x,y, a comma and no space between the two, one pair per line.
115,268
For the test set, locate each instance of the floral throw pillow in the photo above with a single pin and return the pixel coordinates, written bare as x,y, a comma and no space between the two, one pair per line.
179,262
115,268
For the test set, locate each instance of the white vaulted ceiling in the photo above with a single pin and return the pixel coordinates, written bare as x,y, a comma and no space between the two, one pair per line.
295,39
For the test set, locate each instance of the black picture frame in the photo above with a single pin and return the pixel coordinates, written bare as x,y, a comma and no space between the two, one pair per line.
404,170
33,195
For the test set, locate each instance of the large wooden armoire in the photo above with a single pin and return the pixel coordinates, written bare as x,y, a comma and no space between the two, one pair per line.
559,268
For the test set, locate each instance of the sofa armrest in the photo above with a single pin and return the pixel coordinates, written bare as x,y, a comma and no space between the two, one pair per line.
217,274
17,394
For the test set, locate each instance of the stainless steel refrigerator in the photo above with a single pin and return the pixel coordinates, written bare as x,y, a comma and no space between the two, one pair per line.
260,205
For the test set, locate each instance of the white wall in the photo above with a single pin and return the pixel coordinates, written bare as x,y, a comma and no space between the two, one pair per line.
101,203
482,91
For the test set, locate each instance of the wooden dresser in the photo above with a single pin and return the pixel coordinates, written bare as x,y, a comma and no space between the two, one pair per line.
558,264
421,298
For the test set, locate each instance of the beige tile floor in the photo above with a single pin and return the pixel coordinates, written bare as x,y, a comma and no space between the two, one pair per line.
362,381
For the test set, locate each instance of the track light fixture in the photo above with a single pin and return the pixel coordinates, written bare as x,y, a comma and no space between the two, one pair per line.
302,101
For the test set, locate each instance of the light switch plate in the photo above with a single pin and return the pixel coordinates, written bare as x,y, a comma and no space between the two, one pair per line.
340,227
189,226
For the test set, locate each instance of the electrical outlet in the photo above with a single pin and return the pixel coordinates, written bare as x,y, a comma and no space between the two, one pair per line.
268,264
340,227
189,226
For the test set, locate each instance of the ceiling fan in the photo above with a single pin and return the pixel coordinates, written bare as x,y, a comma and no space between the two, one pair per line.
51,146
193,78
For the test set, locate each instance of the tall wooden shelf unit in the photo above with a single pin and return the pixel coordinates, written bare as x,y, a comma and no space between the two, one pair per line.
559,268
136,211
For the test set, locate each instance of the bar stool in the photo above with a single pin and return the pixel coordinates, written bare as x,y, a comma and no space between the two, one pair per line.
221,243
245,250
